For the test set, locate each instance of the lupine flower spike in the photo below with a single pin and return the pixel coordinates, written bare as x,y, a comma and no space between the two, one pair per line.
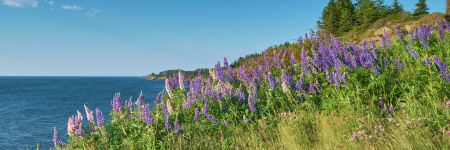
57,139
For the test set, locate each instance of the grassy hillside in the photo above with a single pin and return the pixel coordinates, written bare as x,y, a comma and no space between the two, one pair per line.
334,95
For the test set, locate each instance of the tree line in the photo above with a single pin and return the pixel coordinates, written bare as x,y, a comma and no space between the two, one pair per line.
341,16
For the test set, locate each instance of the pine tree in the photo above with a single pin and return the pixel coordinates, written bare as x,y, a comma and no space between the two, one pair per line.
366,12
421,9
396,8
330,21
381,9
346,23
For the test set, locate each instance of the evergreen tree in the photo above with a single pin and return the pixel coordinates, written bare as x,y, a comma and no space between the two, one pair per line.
366,12
396,8
330,21
381,9
346,22
421,9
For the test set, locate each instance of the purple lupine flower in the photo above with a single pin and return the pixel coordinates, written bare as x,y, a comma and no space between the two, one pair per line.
117,103
276,58
250,102
227,124
245,119
205,109
336,79
212,119
380,102
427,61
311,87
328,76
141,100
196,114
391,109
130,102
411,34
81,132
267,62
401,36
271,82
299,85
293,62
442,68
421,37
99,118
344,78
441,27
441,35
414,54
447,25
241,94
220,73
167,124
57,139
165,111
400,65
304,62
176,125
147,115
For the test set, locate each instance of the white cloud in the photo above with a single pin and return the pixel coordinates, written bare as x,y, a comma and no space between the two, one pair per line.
93,12
71,7
51,2
21,3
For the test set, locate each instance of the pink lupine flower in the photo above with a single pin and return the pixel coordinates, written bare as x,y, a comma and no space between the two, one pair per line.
89,114
169,107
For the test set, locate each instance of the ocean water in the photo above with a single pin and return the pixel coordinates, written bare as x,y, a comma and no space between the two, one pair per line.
30,107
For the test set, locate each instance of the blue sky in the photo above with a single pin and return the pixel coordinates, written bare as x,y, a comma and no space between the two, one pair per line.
134,38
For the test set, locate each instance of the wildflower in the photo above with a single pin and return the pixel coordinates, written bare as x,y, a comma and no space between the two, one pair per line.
403,105
250,102
380,102
99,117
356,116
332,114
245,119
370,136
382,129
408,122
176,125
169,107
141,100
196,115
168,89
271,82
414,54
399,65
317,116
89,114
57,139
391,109
376,131
344,136
167,124
360,126
227,124
346,118
390,119
404,111
130,102
147,115
379,137
397,124
212,119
